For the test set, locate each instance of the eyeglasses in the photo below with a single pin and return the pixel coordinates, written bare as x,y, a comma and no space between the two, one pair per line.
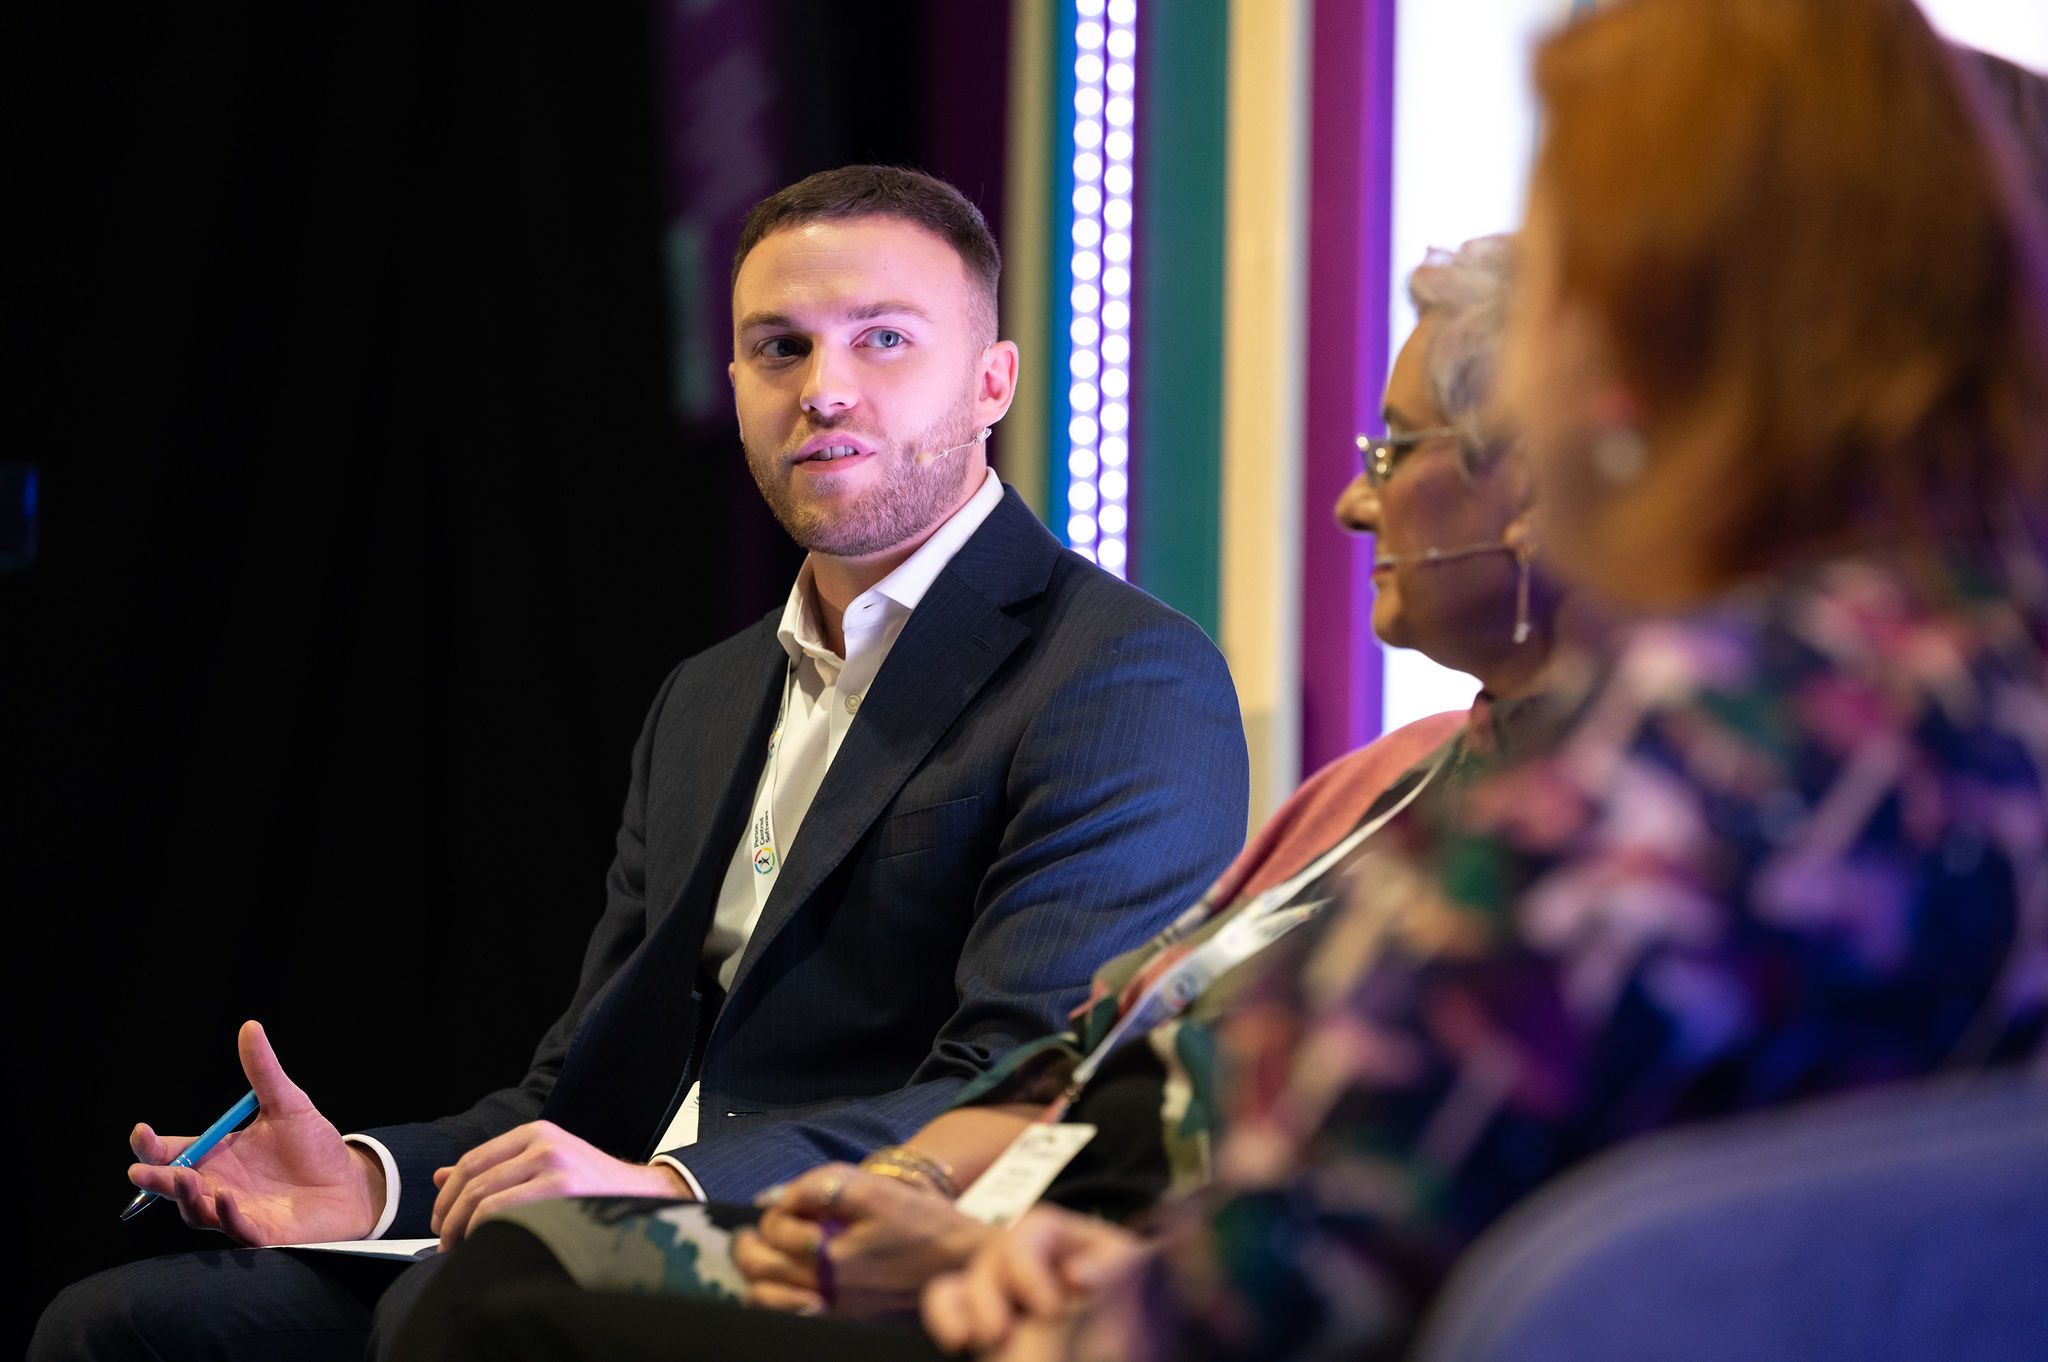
1386,453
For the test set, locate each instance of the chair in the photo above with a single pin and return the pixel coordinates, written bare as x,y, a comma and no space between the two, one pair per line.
1907,1223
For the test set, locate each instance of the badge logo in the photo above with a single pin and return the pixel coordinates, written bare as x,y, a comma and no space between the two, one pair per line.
764,860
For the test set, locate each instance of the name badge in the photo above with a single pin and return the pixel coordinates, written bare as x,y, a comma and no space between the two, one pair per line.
1015,1181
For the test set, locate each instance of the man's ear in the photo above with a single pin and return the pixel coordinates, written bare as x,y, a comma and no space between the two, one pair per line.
996,387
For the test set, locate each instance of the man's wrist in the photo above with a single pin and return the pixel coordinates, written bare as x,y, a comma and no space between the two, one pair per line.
370,1178
685,1186
378,1183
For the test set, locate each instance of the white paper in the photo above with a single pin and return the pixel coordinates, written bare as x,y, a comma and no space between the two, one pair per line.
1015,1181
403,1249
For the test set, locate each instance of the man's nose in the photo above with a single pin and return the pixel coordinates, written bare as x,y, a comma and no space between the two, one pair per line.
829,386
1358,507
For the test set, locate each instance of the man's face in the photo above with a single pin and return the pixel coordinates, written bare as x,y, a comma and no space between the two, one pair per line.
858,355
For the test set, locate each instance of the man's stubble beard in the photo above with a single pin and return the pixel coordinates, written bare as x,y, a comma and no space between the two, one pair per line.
907,501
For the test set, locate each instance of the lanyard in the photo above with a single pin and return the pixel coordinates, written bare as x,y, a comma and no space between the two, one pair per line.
762,850
1250,930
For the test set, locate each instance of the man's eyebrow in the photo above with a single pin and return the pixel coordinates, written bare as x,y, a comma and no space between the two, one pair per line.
860,312
867,312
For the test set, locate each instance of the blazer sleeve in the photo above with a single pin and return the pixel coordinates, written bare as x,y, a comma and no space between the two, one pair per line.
1127,795
418,1148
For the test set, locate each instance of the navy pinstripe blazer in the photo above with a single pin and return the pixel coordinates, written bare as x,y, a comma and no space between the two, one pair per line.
1049,765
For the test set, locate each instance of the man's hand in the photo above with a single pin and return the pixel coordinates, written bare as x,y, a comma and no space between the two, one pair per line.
537,1161
1037,1273
891,1238
285,1178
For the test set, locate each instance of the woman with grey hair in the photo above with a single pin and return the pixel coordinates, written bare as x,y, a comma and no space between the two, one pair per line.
1466,291
1447,506
1453,555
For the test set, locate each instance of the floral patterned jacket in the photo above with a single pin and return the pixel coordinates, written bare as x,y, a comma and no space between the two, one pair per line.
1794,844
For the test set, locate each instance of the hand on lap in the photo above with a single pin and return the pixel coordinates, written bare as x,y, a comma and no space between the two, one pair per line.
535,1162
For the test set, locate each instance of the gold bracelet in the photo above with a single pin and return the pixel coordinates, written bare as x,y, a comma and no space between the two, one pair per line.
909,1165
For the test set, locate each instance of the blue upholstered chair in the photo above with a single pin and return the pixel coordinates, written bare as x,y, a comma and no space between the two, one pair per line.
1905,1225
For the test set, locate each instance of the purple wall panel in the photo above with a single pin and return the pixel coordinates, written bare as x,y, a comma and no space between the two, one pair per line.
1350,221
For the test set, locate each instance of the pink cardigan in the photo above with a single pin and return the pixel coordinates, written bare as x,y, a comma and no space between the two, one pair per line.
1330,803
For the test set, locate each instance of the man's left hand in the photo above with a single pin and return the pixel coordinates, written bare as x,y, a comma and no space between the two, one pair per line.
537,1161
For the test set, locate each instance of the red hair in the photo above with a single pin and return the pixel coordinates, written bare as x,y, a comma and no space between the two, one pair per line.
1806,252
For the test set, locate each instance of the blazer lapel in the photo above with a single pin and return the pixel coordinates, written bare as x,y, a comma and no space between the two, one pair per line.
650,1009
956,639
710,814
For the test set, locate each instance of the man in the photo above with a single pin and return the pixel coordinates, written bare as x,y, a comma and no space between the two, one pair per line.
870,843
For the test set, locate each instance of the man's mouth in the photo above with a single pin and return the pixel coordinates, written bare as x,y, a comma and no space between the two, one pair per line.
824,451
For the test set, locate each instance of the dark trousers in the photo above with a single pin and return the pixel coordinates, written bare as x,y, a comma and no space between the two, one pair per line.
230,1305
502,1295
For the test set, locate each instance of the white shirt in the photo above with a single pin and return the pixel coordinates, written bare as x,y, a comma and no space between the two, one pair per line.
824,692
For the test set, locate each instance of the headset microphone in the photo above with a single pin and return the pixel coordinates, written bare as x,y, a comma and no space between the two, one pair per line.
925,460
1436,555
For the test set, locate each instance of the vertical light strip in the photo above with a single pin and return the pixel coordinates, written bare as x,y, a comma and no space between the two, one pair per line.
1265,264
1103,240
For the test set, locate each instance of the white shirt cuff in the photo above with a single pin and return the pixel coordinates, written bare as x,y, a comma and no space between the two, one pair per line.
390,1181
696,1187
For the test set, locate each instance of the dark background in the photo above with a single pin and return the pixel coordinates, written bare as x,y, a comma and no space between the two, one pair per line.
386,469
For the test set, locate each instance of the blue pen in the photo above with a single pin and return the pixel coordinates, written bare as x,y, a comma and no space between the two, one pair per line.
201,1147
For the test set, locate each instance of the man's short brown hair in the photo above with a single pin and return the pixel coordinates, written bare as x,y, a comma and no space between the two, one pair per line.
885,192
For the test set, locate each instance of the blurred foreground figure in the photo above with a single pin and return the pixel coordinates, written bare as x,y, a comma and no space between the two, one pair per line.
1779,360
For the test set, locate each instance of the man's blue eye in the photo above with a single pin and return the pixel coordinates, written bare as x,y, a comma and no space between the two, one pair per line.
780,347
887,340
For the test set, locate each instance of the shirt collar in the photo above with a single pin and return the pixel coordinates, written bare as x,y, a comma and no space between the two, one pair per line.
900,591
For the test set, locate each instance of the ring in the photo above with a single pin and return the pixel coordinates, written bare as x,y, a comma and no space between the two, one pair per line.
834,1185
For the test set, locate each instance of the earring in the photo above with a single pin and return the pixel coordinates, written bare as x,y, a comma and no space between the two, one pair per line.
1619,455
1525,553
